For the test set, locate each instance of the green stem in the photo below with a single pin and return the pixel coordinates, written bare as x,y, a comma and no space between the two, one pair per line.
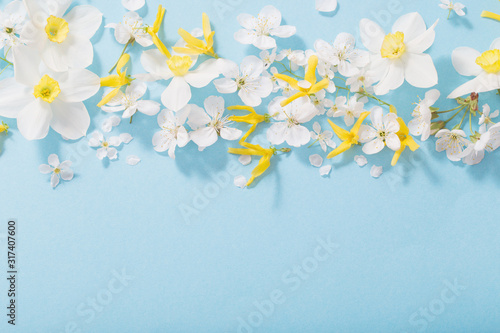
289,71
470,122
121,55
446,122
8,62
462,120
312,144
449,13
458,107
132,117
3,70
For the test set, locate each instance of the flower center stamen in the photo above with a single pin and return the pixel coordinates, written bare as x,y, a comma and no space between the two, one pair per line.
47,89
179,65
57,29
490,61
393,46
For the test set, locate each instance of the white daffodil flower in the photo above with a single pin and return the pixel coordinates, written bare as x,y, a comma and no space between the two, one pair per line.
130,102
12,20
173,134
211,123
63,40
422,115
449,5
131,29
485,67
342,54
58,170
324,138
248,80
133,5
178,69
382,132
289,119
485,121
399,55
40,100
350,111
326,5
453,142
106,147
258,30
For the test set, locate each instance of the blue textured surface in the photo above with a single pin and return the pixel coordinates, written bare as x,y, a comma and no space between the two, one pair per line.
400,238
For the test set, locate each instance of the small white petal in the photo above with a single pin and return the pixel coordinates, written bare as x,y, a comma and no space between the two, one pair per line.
126,138
54,180
45,169
360,160
133,5
133,160
325,170
376,171
240,181
316,160
245,159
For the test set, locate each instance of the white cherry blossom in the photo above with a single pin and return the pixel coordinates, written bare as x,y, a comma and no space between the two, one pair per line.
57,170
173,134
422,115
260,30
381,133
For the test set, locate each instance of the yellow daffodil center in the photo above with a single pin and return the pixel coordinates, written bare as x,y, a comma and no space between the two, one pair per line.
490,61
4,127
57,29
179,65
47,89
393,46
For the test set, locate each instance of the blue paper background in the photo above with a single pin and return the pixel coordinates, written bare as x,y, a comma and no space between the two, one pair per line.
400,238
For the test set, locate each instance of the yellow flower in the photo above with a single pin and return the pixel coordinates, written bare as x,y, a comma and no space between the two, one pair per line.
305,88
348,138
406,141
153,31
179,65
194,45
250,149
116,81
255,150
47,89
57,29
4,128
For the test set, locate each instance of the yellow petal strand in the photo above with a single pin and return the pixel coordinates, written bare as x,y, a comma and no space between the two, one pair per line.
292,98
108,97
159,44
241,107
397,154
264,164
311,69
111,81
393,109
188,38
490,15
357,125
341,133
207,30
243,139
185,50
323,84
124,59
403,129
159,19
291,81
343,147
210,41
244,151
410,142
